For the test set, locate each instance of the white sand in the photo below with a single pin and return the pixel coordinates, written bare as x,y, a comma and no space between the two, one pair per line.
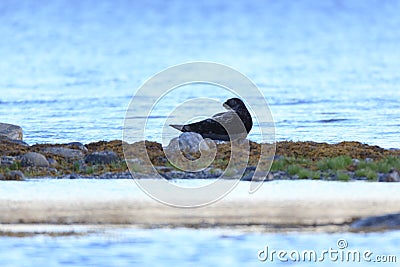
277,204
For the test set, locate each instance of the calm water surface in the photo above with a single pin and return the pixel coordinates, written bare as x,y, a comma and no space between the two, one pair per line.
328,69
188,247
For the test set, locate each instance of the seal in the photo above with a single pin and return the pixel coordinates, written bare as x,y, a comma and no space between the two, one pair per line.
237,121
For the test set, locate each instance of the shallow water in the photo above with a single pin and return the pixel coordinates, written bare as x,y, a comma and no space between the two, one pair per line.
190,247
329,69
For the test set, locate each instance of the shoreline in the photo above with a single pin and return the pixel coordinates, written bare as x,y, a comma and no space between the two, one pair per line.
280,209
345,161
294,162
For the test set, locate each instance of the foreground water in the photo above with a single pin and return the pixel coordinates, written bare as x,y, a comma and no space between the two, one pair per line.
328,69
191,247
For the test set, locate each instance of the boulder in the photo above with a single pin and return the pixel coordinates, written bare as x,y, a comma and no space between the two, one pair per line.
11,131
191,145
101,157
34,159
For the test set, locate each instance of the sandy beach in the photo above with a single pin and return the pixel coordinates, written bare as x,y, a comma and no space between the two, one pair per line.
276,206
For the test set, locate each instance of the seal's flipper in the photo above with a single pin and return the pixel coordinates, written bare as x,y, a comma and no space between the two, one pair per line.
177,126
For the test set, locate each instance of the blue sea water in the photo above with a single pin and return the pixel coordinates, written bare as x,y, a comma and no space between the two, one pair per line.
190,247
328,69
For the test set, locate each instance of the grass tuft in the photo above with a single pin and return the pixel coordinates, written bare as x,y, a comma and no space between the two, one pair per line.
336,163
368,173
342,176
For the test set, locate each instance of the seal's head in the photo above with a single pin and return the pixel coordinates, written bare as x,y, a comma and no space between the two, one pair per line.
234,104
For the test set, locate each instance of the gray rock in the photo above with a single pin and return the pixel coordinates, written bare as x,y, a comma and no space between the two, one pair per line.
14,175
385,222
247,173
217,172
52,162
77,145
392,176
101,157
355,162
261,176
204,174
369,160
7,160
11,131
9,140
34,159
189,144
63,152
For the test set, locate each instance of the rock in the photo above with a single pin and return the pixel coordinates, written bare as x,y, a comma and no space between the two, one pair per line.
191,145
52,162
14,175
217,172
7,160
101,157
261,176
5,139
385,222
355,162
204,174
77,145
63,152
11,131
73,176
392,176
369,160
248,173
34,159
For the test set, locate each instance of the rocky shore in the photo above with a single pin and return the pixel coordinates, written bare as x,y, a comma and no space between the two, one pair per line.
344,161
